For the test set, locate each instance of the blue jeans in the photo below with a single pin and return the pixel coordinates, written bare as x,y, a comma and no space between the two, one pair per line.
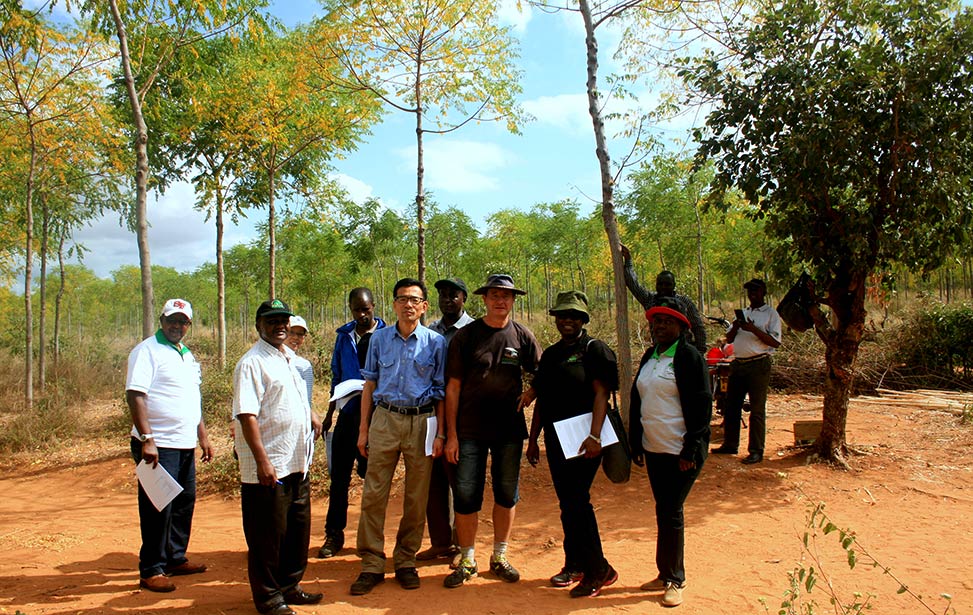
471,474
165,533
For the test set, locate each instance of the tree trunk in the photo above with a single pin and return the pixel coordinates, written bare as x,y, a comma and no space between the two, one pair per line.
58,299
699,258
28,271
608,210
141,176
42,318
220,283
420,194
272,237
847,300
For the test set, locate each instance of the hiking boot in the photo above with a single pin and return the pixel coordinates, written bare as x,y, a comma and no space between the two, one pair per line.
592,587
566,577
463,573
502,568
332,545
673,595
408,578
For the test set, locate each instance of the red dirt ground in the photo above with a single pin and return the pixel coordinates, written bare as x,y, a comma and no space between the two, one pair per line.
69,533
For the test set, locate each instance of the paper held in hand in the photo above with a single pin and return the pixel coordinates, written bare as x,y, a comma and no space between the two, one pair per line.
158,484
573,431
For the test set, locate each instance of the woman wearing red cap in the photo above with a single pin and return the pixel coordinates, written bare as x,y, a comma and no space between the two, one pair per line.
669,435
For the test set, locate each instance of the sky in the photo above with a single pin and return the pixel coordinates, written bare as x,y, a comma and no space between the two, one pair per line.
480,168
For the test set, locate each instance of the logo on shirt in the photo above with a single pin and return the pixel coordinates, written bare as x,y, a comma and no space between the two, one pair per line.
510,357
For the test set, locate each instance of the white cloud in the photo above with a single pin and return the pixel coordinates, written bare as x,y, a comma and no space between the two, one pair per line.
517,16
568,112
179,236
459,166
358,190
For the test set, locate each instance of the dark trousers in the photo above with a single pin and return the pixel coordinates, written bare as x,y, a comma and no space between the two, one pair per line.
572,483
344,453
670,487
751,377
277,526
165,533
439,508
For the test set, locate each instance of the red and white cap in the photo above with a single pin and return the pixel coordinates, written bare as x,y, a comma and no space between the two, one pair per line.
177,306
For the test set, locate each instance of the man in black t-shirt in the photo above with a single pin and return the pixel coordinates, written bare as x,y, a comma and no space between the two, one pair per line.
485,365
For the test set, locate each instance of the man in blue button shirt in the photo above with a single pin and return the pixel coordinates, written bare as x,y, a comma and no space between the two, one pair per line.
404,388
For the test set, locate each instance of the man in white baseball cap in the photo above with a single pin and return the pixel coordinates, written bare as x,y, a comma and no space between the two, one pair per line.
162,391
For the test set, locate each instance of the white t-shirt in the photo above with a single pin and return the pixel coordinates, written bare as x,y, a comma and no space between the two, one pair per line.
746,344
170,379
267,385
663,424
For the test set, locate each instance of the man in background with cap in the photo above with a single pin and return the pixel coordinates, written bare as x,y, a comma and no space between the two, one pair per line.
275,445
296,335
439,509
485,366
347,360
754,339
162,391
665,286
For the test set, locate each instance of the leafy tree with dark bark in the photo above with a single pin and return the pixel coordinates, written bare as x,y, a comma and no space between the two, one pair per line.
848,123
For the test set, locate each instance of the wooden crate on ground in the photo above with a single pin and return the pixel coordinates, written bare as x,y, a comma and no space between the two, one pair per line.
806,432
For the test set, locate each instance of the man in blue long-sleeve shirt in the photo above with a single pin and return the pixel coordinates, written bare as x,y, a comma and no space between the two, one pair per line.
347,360
403,391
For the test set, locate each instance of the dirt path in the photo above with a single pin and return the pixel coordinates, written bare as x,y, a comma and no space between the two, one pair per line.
69,535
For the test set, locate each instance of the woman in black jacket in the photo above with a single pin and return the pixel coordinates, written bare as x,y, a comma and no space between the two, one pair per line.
669,434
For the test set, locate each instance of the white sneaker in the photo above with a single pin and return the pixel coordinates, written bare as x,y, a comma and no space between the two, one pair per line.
673,595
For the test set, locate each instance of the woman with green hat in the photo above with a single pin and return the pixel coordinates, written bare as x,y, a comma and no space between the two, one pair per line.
575,376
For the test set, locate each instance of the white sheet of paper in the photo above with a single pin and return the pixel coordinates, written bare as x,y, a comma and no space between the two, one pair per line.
158,484
573,431
347,388
432,426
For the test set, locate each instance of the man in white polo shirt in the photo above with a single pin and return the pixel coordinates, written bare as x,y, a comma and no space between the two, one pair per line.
162,391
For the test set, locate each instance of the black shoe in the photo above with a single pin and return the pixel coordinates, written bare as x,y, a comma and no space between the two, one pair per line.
280,609
566,577
461,574
302,597
408,578
332,545
723,450
592,587
366,582
502,568
753,458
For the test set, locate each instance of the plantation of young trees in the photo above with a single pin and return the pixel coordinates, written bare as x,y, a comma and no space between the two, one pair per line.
835,138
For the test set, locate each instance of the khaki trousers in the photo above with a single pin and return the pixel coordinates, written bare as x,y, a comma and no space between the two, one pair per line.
390,436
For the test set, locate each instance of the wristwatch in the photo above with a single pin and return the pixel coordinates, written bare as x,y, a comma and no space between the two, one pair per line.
145,436
595,438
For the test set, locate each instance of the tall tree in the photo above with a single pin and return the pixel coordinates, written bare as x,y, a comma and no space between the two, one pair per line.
848,124
156,31
446,62
292,121
40,64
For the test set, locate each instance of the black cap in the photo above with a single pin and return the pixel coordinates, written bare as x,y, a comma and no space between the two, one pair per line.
755,284
456,283
273,307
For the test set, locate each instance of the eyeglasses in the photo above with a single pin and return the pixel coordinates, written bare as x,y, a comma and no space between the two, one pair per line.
182,322
403,299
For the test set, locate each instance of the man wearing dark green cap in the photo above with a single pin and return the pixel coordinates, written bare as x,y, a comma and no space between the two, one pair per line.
275,445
